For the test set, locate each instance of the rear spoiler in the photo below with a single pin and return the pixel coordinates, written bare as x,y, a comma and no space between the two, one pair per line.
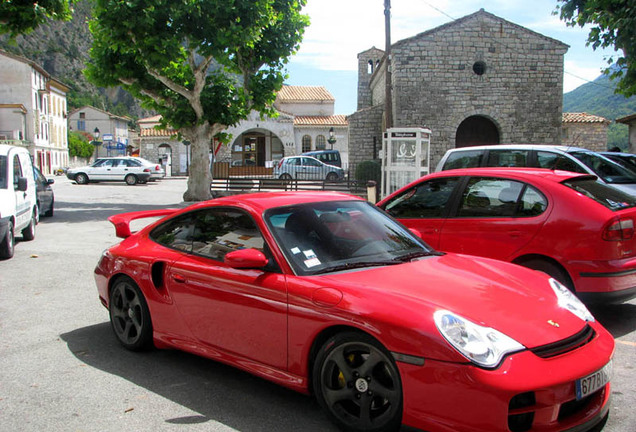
122,221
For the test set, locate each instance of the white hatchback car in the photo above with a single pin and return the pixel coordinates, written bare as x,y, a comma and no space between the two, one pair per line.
123,168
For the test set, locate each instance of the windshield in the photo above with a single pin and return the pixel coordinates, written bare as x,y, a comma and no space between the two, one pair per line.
334,236
609,171
4,174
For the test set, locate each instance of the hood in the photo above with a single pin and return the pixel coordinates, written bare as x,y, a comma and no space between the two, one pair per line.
512,299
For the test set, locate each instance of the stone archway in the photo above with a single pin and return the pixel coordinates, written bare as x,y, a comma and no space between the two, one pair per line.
476,130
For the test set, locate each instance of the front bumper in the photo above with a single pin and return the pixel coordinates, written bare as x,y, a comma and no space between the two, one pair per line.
526,393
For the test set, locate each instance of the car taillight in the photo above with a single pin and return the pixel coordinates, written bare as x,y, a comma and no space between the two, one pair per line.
147,170
157,168
619,229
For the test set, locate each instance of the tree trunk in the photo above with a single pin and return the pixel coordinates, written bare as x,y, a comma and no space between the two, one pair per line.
200,174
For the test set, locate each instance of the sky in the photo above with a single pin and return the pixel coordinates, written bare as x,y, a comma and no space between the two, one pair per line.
340,29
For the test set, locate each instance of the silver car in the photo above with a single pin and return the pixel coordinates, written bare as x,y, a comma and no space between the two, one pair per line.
542,156
125,169
306,168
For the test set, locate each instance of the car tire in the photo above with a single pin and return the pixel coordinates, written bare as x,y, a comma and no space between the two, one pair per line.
332,176
551,269
7,245
285,176
131,180
28,233
129,315
372,397
81,179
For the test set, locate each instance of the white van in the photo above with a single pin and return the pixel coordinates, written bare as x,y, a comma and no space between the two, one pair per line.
18,204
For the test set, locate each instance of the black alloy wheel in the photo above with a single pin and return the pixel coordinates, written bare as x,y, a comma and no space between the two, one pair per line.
332,176
358,383
129,315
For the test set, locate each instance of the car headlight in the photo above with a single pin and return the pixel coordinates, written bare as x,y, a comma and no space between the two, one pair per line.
483,346
567,300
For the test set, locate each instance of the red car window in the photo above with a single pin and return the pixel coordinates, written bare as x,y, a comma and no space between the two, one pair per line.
498,197
426,200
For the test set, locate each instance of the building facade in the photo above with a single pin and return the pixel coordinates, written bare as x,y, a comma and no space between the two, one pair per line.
630,121
305,121
477,80
112,130
585,130
33,112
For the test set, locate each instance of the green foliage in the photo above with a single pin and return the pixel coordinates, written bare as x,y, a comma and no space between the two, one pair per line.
202,64
79,145
613,25
369,170
22,16
599,98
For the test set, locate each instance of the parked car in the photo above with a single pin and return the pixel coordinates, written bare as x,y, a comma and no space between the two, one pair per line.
330,157
44,193
324,293
156,170
542,156
18,207
306,168
627,159
126,169
568,225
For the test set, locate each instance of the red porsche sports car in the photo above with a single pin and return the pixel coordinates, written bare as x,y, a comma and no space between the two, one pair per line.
568,225
326,294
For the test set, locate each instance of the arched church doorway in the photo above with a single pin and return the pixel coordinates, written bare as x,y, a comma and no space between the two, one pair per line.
476,130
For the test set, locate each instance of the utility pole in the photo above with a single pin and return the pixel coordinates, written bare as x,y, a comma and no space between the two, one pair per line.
388,105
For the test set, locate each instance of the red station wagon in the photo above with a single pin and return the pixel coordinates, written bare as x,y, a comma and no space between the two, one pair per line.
568,225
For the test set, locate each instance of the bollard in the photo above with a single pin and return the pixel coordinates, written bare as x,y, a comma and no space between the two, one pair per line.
371,191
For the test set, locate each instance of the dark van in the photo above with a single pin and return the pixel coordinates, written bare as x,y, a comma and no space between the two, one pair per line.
330,157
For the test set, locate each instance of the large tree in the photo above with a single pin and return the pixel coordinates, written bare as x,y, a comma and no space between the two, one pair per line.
613,26
22,16
202,64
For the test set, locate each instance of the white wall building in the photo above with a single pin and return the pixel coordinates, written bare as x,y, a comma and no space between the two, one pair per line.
113,129
33,111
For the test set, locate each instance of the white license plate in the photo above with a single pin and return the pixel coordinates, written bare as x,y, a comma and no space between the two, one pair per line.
589,384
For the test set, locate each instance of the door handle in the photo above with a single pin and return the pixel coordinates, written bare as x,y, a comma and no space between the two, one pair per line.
514,234
178,278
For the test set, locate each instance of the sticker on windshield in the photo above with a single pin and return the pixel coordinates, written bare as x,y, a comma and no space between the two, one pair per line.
312,262
309,254
295,251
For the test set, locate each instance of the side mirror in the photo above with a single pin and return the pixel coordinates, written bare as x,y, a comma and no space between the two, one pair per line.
50,181
22,184
246,259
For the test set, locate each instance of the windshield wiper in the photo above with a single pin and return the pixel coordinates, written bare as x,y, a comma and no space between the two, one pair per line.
355,265
413,255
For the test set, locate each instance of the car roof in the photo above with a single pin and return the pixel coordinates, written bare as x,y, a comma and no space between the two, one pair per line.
262,201
561,148
556,176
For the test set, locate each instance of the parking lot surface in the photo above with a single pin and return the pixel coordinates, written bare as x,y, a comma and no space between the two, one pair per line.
61,368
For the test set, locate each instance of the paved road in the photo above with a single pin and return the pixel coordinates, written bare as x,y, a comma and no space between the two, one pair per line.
61,368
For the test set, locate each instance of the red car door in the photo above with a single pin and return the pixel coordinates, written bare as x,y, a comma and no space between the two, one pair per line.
243,312
494,218
424,207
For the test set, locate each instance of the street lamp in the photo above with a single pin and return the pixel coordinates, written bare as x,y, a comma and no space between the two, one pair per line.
186,143
332,138
96,142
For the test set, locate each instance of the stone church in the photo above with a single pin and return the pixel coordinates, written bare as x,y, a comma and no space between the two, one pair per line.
476,80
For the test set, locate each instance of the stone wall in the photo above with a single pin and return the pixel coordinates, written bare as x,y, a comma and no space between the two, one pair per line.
478,66
365,130
592,136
